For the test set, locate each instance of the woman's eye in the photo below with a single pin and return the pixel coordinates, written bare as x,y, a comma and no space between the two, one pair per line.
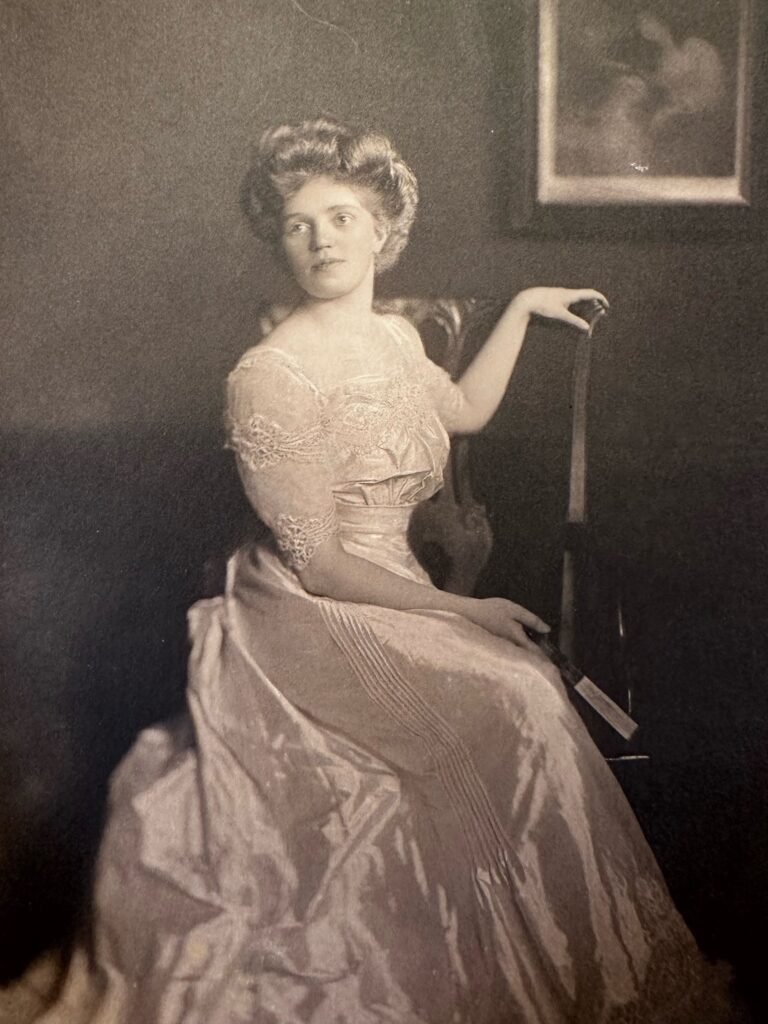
296,229
343,218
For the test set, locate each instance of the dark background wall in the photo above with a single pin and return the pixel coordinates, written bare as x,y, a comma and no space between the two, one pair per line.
132,284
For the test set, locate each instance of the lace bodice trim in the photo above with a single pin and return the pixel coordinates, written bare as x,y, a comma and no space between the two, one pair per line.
349,419
262,443
298,537
368,412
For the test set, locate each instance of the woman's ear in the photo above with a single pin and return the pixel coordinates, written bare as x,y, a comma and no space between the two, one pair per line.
381,234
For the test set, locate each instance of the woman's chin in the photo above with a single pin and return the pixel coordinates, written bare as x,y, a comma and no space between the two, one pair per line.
327,289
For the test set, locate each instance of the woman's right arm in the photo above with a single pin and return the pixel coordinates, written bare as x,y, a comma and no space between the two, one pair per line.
333,572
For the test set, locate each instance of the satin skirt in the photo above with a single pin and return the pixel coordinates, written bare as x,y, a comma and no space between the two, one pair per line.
373,815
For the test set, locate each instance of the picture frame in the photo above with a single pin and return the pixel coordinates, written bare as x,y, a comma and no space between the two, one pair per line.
535,201
643,103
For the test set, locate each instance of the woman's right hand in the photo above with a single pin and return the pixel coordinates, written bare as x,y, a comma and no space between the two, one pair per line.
506,619
555,303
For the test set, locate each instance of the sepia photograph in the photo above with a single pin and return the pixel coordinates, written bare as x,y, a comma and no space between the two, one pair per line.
384,512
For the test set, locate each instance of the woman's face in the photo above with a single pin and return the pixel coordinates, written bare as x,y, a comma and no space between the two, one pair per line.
330,238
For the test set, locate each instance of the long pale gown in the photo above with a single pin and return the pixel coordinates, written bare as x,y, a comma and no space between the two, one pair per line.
370,815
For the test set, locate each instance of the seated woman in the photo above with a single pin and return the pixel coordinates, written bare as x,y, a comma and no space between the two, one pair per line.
383,807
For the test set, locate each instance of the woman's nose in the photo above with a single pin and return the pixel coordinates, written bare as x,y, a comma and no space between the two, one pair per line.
320,238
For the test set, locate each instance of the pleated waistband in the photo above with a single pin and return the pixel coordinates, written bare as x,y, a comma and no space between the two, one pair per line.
374,518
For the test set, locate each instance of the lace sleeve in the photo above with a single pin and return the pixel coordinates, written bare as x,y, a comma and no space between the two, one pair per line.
446,395
276,427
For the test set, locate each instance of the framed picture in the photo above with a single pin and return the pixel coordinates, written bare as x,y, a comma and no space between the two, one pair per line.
644,102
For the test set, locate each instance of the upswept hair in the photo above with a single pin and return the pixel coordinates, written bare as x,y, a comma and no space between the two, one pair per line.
289,155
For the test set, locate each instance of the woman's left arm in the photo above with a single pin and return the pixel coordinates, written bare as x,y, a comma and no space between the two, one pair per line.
486,379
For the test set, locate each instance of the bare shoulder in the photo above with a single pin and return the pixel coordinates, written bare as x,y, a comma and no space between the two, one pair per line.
292,334
286,341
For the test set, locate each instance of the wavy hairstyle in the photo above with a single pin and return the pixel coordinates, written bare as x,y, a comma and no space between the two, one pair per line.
289,155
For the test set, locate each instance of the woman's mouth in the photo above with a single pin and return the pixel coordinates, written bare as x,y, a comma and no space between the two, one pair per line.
326,264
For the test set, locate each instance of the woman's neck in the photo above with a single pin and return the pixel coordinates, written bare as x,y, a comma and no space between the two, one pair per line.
350,314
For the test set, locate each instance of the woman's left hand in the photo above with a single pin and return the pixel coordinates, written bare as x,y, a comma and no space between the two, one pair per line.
553,303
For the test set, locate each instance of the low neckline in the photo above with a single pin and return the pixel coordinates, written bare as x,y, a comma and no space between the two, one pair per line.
327,393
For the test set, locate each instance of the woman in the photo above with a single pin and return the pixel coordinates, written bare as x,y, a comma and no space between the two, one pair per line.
386,809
